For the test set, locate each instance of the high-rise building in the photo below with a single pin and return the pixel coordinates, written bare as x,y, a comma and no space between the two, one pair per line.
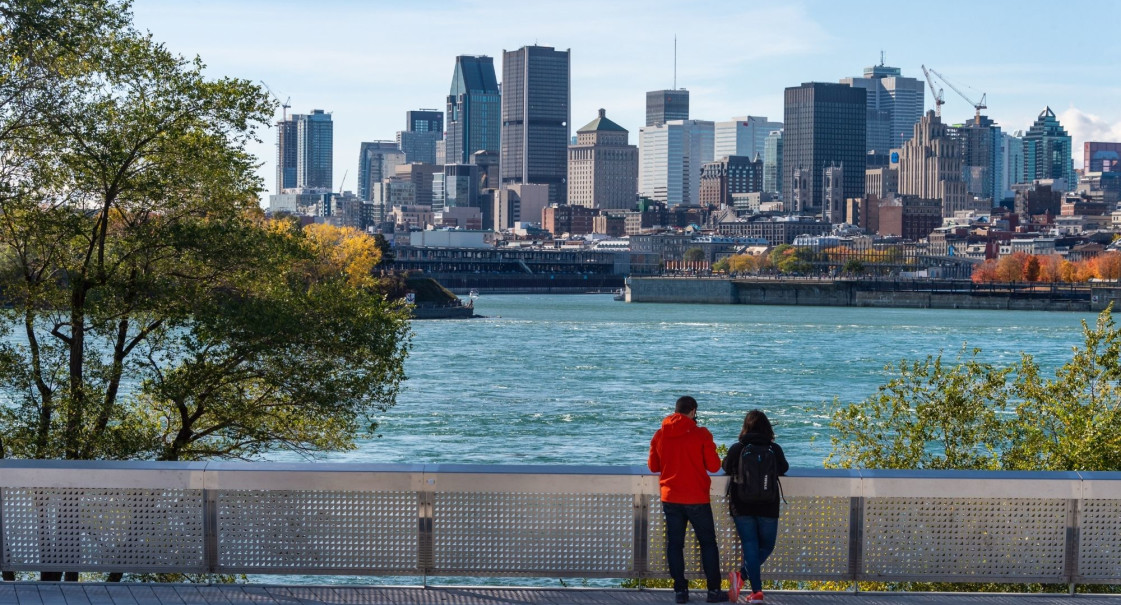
665,105
536,112
772,162
823,124
304,151
744,136
425,120
286,153
474,109
981,141
670,157
377,161
729,175
894,106
418,146
930,165
602,166
1101,157
1011,163
461,185
1047,152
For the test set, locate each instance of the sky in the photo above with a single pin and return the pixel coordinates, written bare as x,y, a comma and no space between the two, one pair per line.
368,62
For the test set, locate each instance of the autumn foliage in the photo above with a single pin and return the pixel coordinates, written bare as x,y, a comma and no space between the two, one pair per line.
1053,268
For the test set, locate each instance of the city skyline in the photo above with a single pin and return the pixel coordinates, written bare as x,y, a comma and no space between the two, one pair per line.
628,50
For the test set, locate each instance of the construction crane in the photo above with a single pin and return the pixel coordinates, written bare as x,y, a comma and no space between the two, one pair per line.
284,106
939,95
977,106
343,183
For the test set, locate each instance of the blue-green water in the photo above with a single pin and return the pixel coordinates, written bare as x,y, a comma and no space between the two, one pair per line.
586,379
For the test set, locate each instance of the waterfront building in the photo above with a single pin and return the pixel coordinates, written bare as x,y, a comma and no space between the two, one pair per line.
670,157
776,230
772,162
474,109
981,142
459,218
824,124
665,105
519,203
1101,157
570,219
894,105
602,166
729,175
930,165
1011,163
1047,151
304,151
377,160
536,101
744,136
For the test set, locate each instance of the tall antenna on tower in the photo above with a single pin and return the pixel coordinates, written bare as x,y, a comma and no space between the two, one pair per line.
675,61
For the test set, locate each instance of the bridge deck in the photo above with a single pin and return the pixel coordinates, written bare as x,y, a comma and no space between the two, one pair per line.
50,593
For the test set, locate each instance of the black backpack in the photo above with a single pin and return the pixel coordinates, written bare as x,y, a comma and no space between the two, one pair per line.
756,478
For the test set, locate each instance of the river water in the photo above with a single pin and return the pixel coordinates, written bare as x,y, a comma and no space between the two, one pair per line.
584,379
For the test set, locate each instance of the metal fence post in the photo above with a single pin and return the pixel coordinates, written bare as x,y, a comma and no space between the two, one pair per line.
210,530
1073,534
641,534
426,559
856,540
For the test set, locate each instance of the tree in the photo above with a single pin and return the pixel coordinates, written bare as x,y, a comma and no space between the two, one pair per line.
158,314
1108,266
1032,269
1011,267
694,255
975,415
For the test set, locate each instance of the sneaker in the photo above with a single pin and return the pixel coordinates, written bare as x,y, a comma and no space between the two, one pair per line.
716,596
681,596
756,597
735,584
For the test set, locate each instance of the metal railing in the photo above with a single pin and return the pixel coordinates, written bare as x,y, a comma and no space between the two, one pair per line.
547,521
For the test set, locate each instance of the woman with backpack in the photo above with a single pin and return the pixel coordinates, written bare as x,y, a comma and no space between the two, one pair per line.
754,464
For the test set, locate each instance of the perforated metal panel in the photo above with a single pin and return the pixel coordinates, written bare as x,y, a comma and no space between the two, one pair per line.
62,529
317,531
525,534
1017,539
1099,552
812,541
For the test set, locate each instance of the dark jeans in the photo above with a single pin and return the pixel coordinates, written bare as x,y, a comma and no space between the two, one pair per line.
757,536
700,517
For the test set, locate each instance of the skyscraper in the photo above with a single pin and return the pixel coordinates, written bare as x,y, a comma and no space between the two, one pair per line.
665,105
1047,153
304,150
930,165
474,107
377,161
425,120
894,106
743,136
536,101
1011,163
772,162
1101,157
981,141
424,130
823,125
602,166
670,158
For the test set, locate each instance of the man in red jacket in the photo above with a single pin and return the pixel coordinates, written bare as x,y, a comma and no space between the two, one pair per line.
684,453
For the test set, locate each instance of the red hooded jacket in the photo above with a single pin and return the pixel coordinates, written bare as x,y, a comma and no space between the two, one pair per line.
683,453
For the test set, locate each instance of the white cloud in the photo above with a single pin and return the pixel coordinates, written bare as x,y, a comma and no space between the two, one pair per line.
1083,127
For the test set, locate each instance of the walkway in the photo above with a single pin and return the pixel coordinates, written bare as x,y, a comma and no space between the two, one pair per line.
49,593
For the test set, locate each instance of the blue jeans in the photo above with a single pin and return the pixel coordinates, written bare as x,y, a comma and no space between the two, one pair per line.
757,536
700,517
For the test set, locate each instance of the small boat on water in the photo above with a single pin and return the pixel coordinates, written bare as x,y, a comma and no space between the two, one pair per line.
473,294
620,294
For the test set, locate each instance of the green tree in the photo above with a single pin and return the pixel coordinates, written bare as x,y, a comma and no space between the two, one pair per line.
694,255
151,311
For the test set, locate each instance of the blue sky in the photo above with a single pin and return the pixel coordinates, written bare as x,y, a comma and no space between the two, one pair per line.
368,62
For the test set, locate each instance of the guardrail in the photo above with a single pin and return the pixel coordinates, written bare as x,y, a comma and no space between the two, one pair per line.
547,521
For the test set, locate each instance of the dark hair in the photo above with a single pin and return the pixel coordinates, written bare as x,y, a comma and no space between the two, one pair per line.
685,405
756,422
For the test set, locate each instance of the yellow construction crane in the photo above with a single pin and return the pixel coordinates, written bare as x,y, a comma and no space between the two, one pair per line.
939,95
977,106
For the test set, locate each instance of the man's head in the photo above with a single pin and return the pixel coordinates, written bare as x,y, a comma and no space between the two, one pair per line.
685,405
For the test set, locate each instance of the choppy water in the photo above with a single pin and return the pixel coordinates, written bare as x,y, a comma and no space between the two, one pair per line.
586,379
